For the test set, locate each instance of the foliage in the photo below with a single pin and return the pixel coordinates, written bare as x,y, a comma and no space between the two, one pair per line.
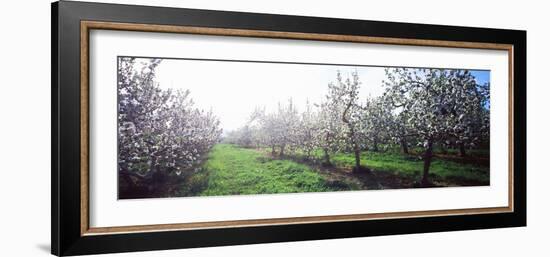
160,132
439,105
420,107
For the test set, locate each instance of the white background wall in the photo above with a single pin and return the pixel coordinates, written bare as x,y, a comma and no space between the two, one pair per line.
25,127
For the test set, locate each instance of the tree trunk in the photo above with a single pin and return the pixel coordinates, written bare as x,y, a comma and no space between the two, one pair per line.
132,189
375,145
404,146
357,152
427,161
443,148
128,180
351,135
327,157
273,150
282,153
462,152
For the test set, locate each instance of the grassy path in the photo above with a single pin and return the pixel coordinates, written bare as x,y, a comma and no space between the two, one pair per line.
232,170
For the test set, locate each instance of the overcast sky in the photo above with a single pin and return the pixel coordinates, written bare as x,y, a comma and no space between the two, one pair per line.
233,89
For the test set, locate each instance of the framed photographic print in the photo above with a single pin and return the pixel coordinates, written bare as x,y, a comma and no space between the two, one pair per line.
177,128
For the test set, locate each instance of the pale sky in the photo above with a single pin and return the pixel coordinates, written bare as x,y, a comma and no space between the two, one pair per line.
233,89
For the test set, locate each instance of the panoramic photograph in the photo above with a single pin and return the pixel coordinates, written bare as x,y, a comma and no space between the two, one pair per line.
204,127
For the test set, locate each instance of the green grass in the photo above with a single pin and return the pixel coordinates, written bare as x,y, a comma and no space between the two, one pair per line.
412,166
231,170
483,153
445,171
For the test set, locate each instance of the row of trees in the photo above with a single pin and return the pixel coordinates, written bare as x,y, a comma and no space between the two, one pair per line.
419,107
160,132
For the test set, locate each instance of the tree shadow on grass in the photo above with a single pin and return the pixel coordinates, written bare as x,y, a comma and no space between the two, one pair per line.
336,177
368,179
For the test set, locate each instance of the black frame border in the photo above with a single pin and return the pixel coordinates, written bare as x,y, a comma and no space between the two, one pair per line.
66,238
